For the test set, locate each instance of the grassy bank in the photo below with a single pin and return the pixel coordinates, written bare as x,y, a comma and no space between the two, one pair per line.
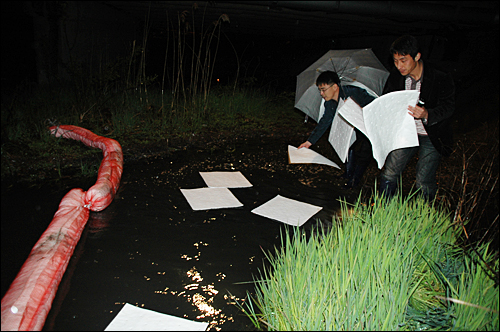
125,99
383,266
137,119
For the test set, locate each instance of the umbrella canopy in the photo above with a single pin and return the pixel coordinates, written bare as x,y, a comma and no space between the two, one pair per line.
358,67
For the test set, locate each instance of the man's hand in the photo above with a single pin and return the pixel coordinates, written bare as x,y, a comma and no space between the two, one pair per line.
306,144
418,112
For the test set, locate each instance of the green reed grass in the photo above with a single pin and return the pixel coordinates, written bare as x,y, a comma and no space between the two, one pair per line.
384,266
474,295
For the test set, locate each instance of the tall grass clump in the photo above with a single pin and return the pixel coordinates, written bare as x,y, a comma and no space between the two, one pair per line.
388,265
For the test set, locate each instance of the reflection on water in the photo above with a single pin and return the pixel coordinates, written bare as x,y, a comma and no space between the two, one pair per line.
199,294
150,249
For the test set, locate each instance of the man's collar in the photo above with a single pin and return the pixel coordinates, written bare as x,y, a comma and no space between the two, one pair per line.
421,63
341,92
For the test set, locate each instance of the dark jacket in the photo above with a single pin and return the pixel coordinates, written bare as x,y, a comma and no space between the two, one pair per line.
438,94
359,95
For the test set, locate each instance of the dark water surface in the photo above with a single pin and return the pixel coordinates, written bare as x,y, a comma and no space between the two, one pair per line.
150,249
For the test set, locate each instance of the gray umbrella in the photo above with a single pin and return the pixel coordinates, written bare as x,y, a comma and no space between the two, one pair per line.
355,67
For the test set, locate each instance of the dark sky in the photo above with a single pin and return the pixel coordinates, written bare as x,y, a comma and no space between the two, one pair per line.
273,60
263,57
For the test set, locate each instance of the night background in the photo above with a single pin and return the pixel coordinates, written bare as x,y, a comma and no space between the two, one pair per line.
84,62
273,41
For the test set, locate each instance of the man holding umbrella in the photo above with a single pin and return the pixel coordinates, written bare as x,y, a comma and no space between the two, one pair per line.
360,153
432,117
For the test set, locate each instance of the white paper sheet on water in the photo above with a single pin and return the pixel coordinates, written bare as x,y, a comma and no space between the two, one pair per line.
286,210
225,180
132,318
308,156
385,121
210,198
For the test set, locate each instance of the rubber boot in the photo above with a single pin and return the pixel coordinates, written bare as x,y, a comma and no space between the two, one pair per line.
388,189
356,177
349,165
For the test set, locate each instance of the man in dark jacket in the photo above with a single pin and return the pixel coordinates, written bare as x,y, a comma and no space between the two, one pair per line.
432,117
360,153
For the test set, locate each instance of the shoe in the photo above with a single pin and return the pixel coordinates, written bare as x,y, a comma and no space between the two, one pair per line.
387,189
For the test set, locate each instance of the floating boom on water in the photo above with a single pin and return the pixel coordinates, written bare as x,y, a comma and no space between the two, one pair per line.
27,303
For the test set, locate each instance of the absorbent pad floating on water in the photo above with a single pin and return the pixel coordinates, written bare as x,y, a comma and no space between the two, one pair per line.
132,318
307,156
210,198
225,180
286,210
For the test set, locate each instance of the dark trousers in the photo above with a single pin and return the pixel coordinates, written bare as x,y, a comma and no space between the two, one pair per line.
359,157
427,165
